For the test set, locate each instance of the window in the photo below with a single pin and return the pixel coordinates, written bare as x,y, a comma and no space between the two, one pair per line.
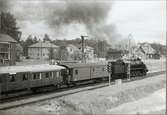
57,74
103,69
93,69
12,78
36,76
76,72
0,79
47,75
25,77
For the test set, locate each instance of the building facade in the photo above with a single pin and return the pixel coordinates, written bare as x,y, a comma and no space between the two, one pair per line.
71,49
114,54
7,50
145,51
41,50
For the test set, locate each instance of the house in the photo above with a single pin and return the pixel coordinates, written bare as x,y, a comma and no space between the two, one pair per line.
7,50
41,50
88,52
144,50
71,48
114,54
76,51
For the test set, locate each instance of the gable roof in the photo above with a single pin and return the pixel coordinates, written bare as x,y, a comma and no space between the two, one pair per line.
6,38
78,65
145,48
43,45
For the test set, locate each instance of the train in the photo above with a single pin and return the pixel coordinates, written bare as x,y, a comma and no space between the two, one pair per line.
32,77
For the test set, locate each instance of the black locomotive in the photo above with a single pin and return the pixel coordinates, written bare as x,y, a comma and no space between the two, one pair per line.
121,68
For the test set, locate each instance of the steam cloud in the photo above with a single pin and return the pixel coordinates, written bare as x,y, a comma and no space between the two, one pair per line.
92,14
62,14
4,5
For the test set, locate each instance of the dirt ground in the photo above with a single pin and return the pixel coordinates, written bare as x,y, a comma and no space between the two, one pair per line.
143,96
146,96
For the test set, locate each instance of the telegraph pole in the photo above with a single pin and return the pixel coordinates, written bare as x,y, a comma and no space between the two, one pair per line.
128,73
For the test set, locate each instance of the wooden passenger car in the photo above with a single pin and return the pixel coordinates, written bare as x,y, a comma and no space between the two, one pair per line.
14,78
85,71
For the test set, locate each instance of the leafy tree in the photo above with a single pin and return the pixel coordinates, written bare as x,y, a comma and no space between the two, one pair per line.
9,26
51,53
46,38
77,55
19,51
29,41
62,53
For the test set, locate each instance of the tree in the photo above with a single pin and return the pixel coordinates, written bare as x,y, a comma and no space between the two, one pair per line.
46,38
62,53
51,53
9,26
19,51
77,55
35,40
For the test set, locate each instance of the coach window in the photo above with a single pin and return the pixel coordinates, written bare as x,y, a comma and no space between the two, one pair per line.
93,69
12,78
47,74
0,79
25,77
103,69
76,72
36,76
57,74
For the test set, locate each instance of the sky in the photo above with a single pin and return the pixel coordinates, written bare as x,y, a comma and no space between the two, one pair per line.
145,20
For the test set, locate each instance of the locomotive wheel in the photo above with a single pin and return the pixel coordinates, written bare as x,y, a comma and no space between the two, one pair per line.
137,73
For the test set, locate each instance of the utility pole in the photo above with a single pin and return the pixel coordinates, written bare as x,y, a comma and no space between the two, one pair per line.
83,46
129,40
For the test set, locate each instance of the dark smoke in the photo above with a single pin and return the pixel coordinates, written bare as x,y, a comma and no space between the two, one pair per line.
92,14
88,13
4,5
60,15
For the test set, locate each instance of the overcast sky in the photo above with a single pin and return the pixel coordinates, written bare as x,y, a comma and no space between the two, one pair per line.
145,20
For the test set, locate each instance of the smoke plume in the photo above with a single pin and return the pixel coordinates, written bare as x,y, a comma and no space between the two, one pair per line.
91,13
61,15
4,5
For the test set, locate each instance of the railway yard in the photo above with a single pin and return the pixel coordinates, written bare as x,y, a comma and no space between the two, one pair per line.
144,95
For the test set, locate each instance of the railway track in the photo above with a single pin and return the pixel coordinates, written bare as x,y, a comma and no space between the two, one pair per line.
34,98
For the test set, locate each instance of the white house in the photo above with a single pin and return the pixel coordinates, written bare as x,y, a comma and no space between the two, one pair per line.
41,50
144,50
71,48
89,51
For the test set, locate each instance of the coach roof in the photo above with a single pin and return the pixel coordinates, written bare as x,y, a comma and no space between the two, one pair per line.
77,65
29,68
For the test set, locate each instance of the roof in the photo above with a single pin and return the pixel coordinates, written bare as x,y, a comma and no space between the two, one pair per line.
72,46
77,65
6,38
43,45
147,49
29,68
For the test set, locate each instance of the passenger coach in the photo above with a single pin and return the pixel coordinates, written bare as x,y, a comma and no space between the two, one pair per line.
14,78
